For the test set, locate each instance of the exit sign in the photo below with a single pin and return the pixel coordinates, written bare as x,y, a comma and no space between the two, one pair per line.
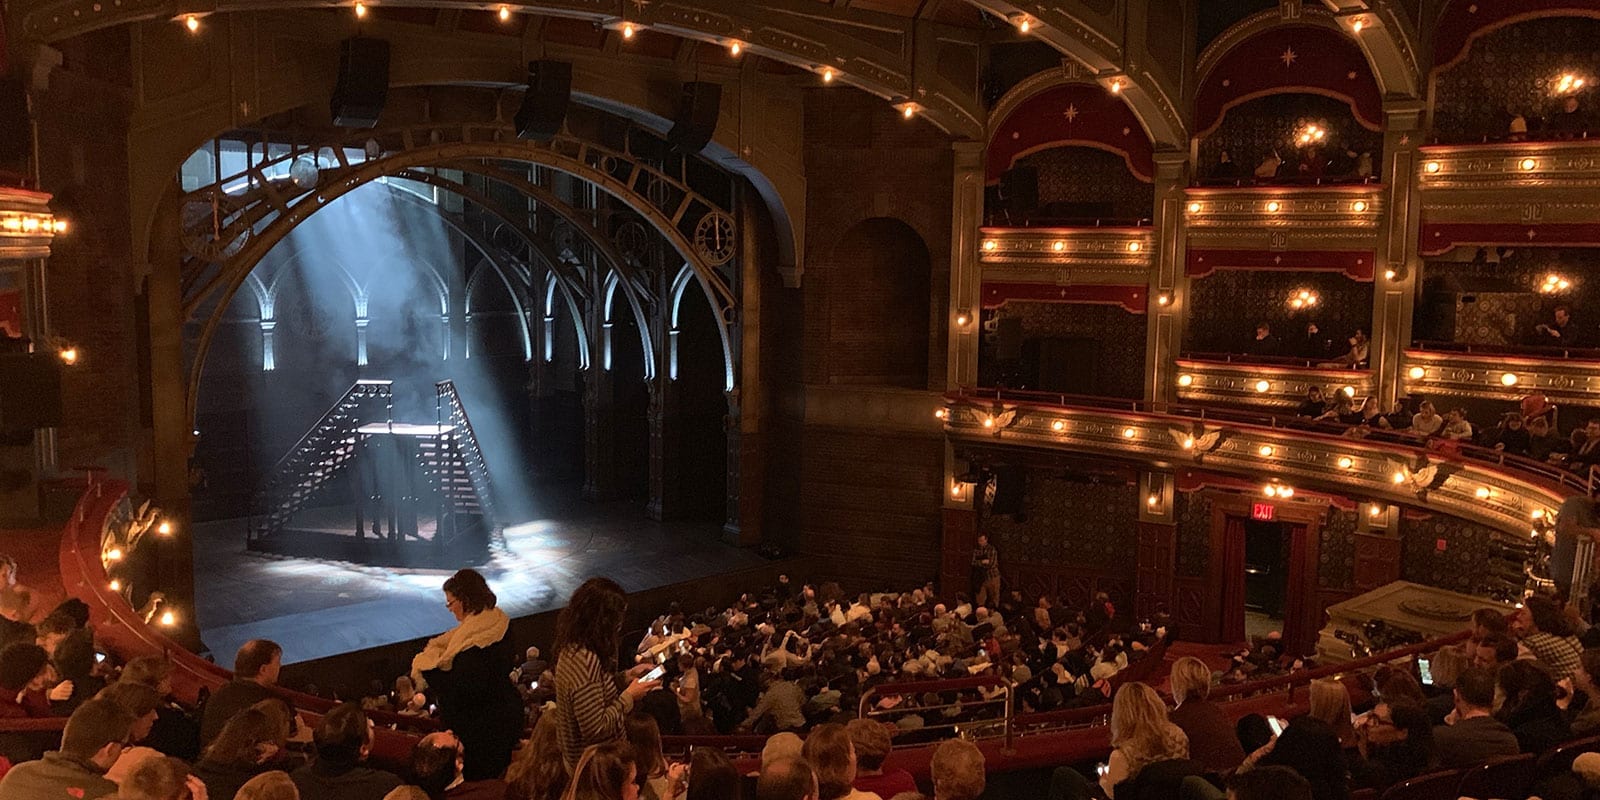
1262,511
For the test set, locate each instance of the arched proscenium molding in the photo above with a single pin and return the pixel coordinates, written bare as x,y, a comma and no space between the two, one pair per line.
1154,103
1296,457
795,32
1385,39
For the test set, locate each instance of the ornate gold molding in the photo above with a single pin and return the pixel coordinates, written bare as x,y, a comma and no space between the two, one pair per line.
1241,384
1512,166
1120,253
27,226
1484,376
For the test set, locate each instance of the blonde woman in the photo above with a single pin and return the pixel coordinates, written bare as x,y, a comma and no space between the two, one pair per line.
1141,735
273,785
1212,740
1330,703
604,772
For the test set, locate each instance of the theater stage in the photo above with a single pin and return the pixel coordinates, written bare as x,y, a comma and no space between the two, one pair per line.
320,608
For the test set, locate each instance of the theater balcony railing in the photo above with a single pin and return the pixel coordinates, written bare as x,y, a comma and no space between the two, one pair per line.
1117,253
1532,193
1284,225
1263,381
1507,493
1567,376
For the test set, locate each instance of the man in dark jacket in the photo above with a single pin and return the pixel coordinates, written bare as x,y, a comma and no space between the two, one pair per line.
93,740
343,739
255,672
1475,736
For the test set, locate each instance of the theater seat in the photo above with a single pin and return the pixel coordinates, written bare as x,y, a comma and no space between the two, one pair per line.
1559,760
1509,777
1433,786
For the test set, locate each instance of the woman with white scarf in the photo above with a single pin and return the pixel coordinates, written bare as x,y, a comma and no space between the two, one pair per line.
468,671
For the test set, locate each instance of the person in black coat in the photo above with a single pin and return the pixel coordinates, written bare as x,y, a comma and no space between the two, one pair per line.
1530,709
468,669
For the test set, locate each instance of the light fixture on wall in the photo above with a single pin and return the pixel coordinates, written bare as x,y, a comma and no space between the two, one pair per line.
1129,433
941,414
1554,283
1265,451
628,30
1416,373
735,48
907,109
1509,379
1483,493
1263,385
828,74
1432,167
1023,22
191,21
1304,298
1186,380
1058,426
989,245
1278,490
1164,299
1194,208
1346,462
1274,206
1568,83
1374,510
1311,134
1358,206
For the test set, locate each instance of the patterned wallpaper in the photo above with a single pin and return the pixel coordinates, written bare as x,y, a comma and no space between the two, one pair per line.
1515,68
1336,553
1459,567
1193,544
1070,523
1225,306
1252,130
1090,175
1510,318
1120,336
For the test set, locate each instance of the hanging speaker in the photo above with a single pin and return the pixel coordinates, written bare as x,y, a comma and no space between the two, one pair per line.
696,122
544,105
363,84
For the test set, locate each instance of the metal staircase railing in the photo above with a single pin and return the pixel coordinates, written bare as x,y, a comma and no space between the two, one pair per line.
320,455
471,492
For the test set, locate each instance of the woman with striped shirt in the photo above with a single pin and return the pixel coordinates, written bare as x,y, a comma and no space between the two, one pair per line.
592,700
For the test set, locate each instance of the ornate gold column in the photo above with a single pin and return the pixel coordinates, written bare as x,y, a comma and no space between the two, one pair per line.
1399,267
1169,288
961,362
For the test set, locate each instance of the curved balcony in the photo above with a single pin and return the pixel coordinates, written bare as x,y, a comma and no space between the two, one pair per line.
1262,381
1119,253
1506,493
1313,227
1568,376
1540,193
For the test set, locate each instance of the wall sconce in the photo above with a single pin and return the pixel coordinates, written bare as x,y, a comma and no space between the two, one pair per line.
1129,433
1311,134
1058,426
989,245
1568,83
1273,206
1164,299
1305,298
907,109
1278,490
1374,510
962,487
1554,283
1358,206
963,319
1194,208
1483,493
1266,451
1023,22
941,414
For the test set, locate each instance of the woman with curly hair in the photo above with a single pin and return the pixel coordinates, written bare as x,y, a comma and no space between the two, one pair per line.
592,701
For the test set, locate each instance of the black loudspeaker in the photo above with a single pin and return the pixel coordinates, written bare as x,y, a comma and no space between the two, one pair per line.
696,121
544,106
1020,188
1008,338
30,395
1010,484
16,131
363,84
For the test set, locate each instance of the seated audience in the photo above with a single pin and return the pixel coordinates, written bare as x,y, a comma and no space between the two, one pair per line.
343,741
1456,427
275,785
162,778
604,772
1210,734
1529,706
1512,436
830,753
1583,712
1396,744
1426,422
872,743
539,772
174,733
1268,783
1141,735
252,743
958,771
1329,703
1544,441
787,779
1445,668
1473,734
712,776
25,673
437,763
1547,633
1264,343
1559,332
1312,749
140,702
255,673
92,741
1493,651
1315,405
657,779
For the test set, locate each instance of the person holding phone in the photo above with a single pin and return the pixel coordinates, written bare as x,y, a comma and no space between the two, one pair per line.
591,701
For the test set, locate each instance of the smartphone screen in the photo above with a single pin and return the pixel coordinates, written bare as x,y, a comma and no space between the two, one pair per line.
1102,768
1425,671
654,674
1276,725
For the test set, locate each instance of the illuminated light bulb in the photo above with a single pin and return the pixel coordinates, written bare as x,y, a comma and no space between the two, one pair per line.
1482,493
1528,163
962,320
1358,25
60,226
1274,206
114,554
191,22
1346,462
505,13
909,111
30,224
116,585
1152,501
1024,25
1286,492
1509,379
628,30
1133,247
1359,206
169,619
1398,477
1432,167
988,422
68,355
1349,391
1188,443
1129,433
1263,385
990,245
735,48
361,10
1116,86
1058,426
941,414
12,224
1416,373
1265,451
165,528
1185,380
955,491
1194,208
828,75
1163,299
1059,246
1269,490
1374,511
1538,513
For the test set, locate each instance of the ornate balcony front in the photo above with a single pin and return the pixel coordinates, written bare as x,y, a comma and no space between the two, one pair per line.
1570,380
1062,256
1252,382
26,225
1315,227
1512,495
1539,193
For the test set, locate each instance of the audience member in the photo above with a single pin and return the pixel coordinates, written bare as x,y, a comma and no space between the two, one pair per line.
1529,706
1473,735
274,785
1559,332
1269,783
1396,743
833,757
162,778
174,733
1426,422
872,743
604,772
539,772
1312,749
254,742
1141,735
1583,711
657,779
1494,651
343,742
1315,405
958,771
1547,633
438,765
1329,703
1264,343
468,669
94,738
589,707
787,779
1456,427
712,776
1512,436
1211,738
140,702
255,672
25,672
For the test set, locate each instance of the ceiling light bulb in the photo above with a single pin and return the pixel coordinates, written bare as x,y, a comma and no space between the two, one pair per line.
628,30
735,48
60,226
1346,462
1025,25
1116,86
505,13
1349,391
191,22
1133,247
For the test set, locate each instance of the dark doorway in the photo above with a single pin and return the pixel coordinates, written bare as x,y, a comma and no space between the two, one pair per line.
1066,365
1266,576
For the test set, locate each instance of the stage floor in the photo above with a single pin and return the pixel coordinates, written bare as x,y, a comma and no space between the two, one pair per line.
317,608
